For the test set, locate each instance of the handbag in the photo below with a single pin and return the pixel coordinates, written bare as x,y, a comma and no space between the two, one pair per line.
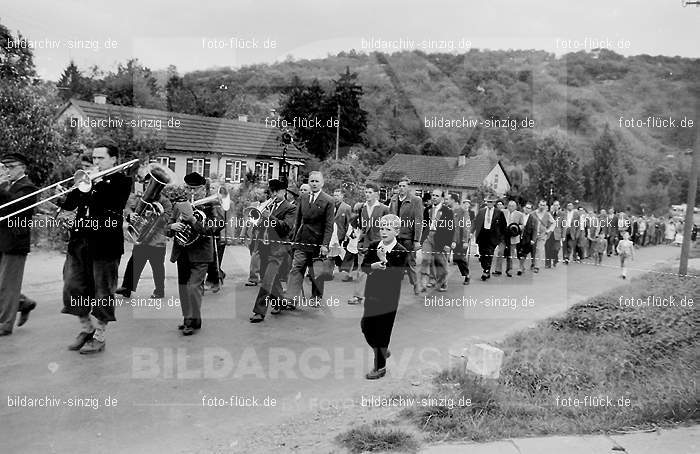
323,268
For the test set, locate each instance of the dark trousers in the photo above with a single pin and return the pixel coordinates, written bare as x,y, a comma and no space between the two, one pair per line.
301,260
270,288
377,331
11,274
89,283
412,269
568,246
349,262
215,274
460,257
612,244
551,251
486,248
190,277
142,253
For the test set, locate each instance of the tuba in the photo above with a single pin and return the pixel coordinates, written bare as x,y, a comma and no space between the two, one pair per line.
147,219
188,236
514,229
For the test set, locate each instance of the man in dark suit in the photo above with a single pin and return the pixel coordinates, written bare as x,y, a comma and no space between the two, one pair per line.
14,241
613,232
314,229
409,208
489,230
438,232
343,214
527,238
570,231
461,235
272,233
94,250
193,260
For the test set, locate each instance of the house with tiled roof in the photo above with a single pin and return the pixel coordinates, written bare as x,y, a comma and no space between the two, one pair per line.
218,148
456,174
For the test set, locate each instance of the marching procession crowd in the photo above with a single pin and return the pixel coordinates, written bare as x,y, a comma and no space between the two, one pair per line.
291,234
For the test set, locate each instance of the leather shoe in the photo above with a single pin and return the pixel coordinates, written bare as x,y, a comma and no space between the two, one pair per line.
519,273
257,318
24,313
92,346
497,273
484,276
251,284
157,296
376,373
466,281
5,332
509,274
443,288
275,310
123,291
81,340
187,331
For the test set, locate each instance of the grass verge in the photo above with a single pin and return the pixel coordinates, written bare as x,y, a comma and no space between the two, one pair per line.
378,437
637,363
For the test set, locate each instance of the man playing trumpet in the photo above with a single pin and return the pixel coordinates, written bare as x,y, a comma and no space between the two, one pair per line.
193,259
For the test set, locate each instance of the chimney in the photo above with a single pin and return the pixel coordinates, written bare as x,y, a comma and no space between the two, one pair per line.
243,118
461,160
100,98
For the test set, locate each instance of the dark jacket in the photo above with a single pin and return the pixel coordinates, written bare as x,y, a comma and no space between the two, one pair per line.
383,287
14,238
314,223
445,225
99,216
530,230
498,227
276,229
343,214
202,250
411,217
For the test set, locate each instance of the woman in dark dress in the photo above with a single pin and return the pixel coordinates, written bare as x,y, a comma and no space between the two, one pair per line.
385,264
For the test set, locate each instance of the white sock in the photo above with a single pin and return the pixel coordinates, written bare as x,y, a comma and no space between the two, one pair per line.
100,331
86,324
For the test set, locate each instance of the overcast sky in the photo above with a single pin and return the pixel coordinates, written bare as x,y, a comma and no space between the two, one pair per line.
160,33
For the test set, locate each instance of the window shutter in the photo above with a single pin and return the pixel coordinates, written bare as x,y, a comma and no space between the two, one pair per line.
189,166
207,168
228,171
244,170
171,163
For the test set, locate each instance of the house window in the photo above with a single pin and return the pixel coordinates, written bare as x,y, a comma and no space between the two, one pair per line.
383,193
494,185
263,170
164,161
235,171
200,165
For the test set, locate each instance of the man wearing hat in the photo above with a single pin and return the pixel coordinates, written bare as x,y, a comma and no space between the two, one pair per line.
272,235
193,260
95,248
14,240
489,230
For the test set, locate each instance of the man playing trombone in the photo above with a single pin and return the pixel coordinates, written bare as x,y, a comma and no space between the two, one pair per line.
95,247
14,240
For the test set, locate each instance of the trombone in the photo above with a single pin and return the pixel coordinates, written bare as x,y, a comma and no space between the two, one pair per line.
254,214
82,181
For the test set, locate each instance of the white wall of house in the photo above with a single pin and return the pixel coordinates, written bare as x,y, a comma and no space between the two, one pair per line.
496,180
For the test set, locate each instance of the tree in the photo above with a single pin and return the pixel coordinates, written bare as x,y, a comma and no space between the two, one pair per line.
301,106
555,169
353,118
16,59
132,85
605,174
73,84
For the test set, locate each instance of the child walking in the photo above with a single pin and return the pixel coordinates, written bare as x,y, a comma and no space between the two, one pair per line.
625,248
599,246
385,264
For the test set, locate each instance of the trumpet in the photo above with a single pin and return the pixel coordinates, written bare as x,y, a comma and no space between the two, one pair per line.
188,236
254,214
82,181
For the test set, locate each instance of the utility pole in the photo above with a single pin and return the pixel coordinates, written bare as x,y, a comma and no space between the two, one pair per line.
692,189
337,133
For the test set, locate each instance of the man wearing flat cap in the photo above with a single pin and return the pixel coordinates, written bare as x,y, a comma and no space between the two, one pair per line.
272,235
193,260
489,230
15,238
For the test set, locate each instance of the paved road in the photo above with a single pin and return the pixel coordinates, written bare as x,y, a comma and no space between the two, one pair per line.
157,380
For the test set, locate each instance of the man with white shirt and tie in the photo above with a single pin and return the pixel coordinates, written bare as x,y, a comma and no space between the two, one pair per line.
436,238
508,245
489,228
314,229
